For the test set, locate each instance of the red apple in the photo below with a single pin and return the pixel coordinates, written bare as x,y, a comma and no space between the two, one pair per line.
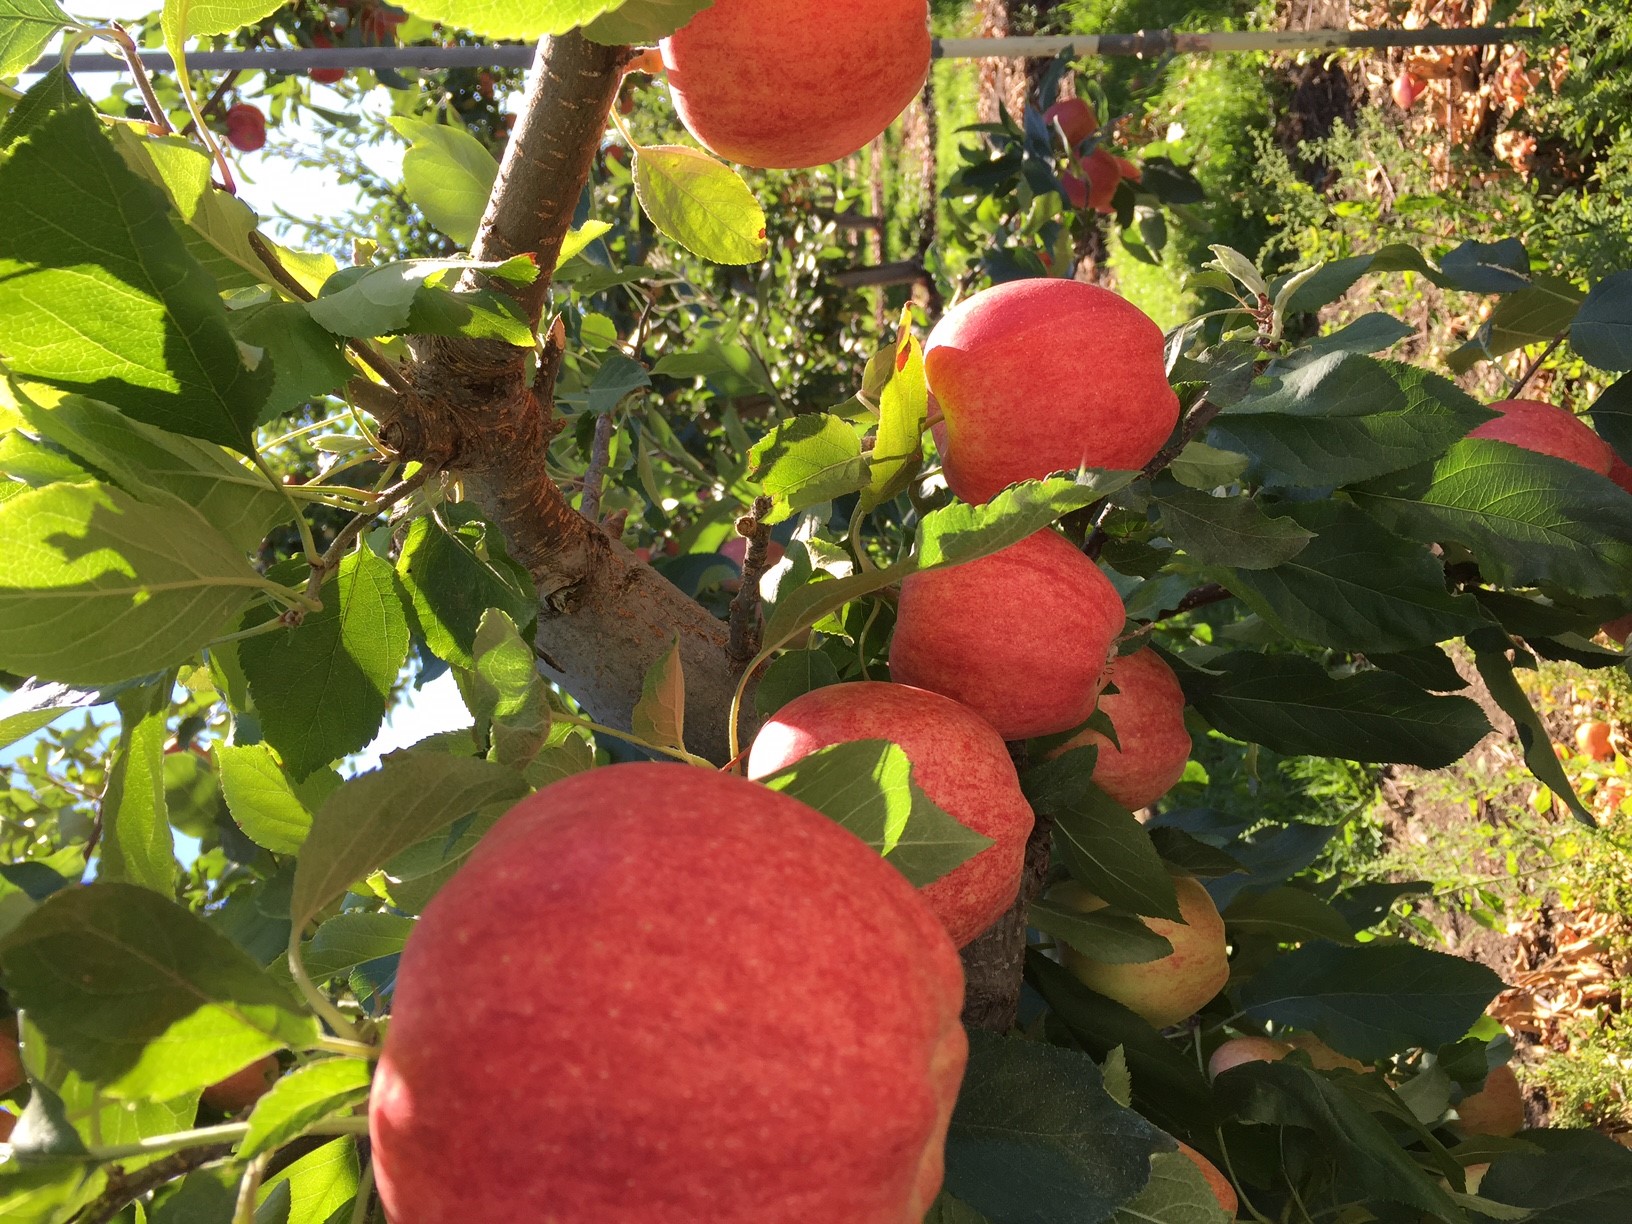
790,84
663,993
1216,1181
1619,630
8,1123
1407,88
243,1088
1620,473
1129,170
1046,375
1238,1051
1163,991
1021,637
246,127
1076,190
958,761
1147,712
1547,430
1075,118
12,1075
1497,1109
325,76
1103,176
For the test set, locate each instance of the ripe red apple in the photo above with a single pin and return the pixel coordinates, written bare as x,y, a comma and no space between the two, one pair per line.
1620,629
325,76
1547,430
1163,991
1020,637
957,760
243,1088
12,1075
1220,1185
1076,119
1129,170
662,993
790,84
1076,190
1620,473
8,1123
1103,175
1046,375
1147,712
1407,88
1240,1050
1496,1109
1323,1057
246,127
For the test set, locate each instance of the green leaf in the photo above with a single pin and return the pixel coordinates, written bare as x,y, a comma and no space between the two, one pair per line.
1487,267
33,705
1204,467
618,378
114,306
701,203
407,295
530,19
143,460
1036,1137
1491,651
948,1210
348,940
156,1003
506,693
1290,704
791,674
1118,939
1346,418
1177,1193
308,361
315,1187
643,21
659,716
866,786
306,1095
448,175
1579,1177
1287,915
184,19
260,797
321,688
96,587
25,27
1108,851
1229,530
1285,1094
959,532
903,406
1357,586
810,459
136,847
1532,315
577,239
453,568
1372,1000
1530,519
372,817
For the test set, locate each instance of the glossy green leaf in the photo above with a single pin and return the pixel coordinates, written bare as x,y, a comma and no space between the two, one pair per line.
25,27
448,175
1290,704
372,817
136,846
306,1095
1229,530
321,687
1372,1000
1036,1137
512,18
453,569
260,797
643,21
1177,1193
96,587
1491,657
133,319
409,296
1577,1177
903,406
308,361
701,203
1287,915
812,458
1602,331
791,674
316,1186
1117,939
157,1004
1532,315
506,693
351,939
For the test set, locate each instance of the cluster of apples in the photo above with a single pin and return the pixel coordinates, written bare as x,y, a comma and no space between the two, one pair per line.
1098,171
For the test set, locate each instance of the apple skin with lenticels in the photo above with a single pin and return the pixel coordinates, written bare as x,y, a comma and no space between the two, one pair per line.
663,994
787,84
1548,430
1038,376
1152,743
957,760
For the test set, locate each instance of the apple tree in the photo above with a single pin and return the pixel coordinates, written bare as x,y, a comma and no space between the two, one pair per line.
611,450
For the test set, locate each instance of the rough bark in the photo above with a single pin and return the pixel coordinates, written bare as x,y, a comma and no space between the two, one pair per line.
992,964
482,412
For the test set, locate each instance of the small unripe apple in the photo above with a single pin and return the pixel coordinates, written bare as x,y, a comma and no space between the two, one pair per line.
1497,1109
790,84
1238,1051
1163,991
1407,88
1046,375
1548,430
246,127
957,760
12,1075
1322,1057
1021,637
1220,1185
1075,118
658,992
243,1088
1153,746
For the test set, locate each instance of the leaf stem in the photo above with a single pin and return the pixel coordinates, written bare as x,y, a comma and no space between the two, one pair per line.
249,1190
679,754
315,998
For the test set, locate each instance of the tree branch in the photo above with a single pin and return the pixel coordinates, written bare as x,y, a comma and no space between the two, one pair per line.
125,1188
991,964
744,641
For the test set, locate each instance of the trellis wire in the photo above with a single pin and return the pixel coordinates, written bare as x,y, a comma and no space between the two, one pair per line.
1145,42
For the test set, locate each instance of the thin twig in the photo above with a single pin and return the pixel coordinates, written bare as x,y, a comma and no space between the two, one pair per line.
744,640
330,560
1513,392
595,473
121,38
215,99
125,1188
1210,593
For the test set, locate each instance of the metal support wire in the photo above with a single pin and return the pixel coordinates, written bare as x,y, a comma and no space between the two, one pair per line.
1081,46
